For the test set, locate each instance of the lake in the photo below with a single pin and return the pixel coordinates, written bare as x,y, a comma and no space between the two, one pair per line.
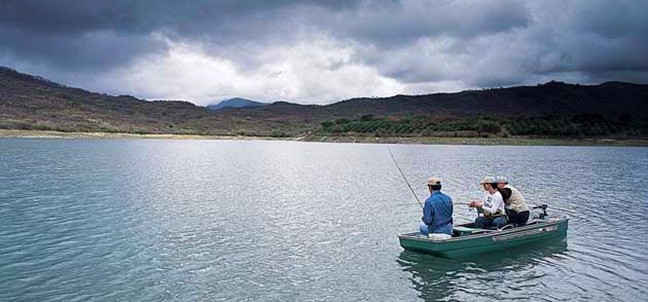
194,220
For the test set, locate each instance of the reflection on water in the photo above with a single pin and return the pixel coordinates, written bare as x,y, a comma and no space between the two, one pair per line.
175,220
498,276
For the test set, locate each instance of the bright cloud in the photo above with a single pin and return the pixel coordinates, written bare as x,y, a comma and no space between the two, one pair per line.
313,72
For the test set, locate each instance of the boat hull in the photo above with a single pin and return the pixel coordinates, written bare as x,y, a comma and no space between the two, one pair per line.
466,245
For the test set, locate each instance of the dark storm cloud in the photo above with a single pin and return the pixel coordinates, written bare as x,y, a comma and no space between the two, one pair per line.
379,22
86,51
475,43
396,23
71,16
611,19
584,41
101,33
609,36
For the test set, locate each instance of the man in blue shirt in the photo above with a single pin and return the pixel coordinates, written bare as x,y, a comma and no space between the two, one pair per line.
437,212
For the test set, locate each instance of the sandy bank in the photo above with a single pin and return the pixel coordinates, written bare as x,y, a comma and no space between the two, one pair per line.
338,139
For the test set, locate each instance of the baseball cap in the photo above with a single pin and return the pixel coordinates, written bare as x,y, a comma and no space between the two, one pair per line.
434,181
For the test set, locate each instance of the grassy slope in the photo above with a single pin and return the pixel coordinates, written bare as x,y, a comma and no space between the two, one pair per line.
32,103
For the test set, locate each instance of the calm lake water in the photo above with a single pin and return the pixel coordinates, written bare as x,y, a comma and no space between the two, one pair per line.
181,220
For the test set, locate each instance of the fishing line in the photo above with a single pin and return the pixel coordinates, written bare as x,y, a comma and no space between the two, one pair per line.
405,178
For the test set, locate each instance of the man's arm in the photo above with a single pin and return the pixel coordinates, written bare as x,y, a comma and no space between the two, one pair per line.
451,209
506,193
428,213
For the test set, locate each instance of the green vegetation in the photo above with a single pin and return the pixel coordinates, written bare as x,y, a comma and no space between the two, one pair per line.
580,126
412,126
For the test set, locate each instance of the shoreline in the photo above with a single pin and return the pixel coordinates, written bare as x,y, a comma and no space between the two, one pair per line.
5,133
479,141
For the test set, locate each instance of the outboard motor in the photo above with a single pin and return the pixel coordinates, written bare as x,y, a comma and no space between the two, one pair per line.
543,214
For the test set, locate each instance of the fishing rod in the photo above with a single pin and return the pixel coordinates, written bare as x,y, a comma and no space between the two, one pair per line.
405,178
410,186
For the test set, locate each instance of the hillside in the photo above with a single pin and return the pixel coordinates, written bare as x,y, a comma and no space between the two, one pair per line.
28,102
555,98
34,103
553,109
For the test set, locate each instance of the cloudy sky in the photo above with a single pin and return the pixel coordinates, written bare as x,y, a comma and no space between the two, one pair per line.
320,52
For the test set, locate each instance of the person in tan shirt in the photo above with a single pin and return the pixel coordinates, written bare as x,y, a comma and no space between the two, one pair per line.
516,208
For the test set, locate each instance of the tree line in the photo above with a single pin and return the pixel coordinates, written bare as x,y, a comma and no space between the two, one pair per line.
579,125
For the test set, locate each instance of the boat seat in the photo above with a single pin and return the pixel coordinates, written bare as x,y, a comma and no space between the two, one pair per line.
465,230
507,226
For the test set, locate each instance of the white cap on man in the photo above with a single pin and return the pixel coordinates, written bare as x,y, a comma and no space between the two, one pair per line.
433,181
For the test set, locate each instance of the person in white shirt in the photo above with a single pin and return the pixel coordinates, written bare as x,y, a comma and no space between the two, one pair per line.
492,205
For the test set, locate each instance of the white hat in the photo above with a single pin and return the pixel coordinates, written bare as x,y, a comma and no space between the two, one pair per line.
488,180
433,181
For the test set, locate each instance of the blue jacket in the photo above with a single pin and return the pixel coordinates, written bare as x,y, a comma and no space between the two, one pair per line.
437,213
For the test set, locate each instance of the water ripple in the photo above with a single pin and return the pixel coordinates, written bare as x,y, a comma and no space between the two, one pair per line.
136,220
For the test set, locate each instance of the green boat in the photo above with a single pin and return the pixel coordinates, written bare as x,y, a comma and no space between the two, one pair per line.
467,240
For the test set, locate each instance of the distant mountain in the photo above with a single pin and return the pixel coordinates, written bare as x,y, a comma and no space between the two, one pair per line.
236,103
554,108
